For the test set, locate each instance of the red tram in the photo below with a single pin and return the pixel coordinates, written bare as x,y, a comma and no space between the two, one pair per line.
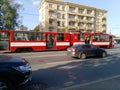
13,41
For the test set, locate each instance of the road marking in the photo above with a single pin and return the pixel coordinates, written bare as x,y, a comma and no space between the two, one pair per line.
44,56
89,83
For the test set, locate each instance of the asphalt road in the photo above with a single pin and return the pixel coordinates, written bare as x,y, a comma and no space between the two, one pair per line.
54,71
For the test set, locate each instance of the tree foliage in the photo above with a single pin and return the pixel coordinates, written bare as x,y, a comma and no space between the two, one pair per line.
22,27
37,28
8,14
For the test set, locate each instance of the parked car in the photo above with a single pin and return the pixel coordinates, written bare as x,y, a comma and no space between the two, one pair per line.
86,50
14,71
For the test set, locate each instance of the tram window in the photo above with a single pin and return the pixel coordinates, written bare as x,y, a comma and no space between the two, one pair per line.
80,37
21,36
105,37
61,36
32,36
40,36
101,37
4,36
96,37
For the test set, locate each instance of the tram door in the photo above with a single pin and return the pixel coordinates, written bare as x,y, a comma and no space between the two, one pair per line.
111,41
50,41
4,41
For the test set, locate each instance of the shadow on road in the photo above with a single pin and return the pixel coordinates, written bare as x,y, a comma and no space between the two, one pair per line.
74,73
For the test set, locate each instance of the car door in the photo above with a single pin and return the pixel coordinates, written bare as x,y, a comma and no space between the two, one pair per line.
87,50
94,50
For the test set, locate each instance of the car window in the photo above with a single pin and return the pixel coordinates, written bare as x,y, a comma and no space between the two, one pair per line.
93,46
86,46
77,46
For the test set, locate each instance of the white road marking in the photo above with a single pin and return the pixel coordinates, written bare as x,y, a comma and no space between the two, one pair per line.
44,56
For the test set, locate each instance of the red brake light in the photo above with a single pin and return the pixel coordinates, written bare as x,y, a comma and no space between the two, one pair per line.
74,50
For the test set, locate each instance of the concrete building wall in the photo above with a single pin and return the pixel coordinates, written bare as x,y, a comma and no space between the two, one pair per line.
59,16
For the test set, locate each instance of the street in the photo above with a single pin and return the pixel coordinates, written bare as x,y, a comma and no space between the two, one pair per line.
53,70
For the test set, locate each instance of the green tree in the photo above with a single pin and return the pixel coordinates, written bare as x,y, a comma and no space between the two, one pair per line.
8,14
22,27
37,28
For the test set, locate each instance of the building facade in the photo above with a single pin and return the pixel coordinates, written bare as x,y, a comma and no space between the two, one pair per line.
60,16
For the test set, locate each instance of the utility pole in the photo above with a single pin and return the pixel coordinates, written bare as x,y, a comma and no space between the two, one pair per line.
95,14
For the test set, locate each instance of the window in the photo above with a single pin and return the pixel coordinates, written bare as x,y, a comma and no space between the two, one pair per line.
61,36
63,8
50,5
89,18
93,46
80,11
89,12
98,20
58,15
4,36
50,14
72,23
21,35
58,7
58,23
86,46
88,25
28,36
40,36
80,37
63,16
71,16
101,37
80,17
98,13
32,36
80,24
63,24
50,22
71,9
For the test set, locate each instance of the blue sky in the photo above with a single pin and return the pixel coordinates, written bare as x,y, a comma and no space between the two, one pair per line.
30,17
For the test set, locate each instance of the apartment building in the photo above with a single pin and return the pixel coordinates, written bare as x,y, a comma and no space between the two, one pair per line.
60,16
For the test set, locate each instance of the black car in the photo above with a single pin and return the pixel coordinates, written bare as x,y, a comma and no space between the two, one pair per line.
14,71
86,50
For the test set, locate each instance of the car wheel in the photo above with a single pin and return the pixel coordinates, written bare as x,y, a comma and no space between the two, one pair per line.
5,85
104,54
83,56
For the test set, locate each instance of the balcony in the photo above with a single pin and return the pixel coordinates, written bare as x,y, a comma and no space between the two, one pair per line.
81,20
104,22
103,29
90,21
72,19
90,28
89,15
52,9
72,27
52,25
81,27
52,18
60,27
